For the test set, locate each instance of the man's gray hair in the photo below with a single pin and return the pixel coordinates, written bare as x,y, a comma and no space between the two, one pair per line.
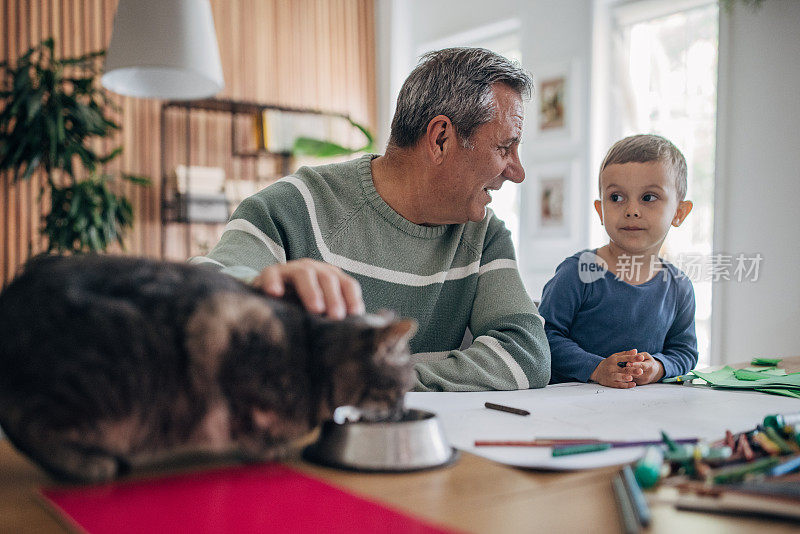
457,83
645,148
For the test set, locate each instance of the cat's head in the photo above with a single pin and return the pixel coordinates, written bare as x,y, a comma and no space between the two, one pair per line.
364,362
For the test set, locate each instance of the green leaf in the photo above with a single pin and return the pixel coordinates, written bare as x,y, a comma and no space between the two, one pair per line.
48,116
32,166
111,155
306,146
138,180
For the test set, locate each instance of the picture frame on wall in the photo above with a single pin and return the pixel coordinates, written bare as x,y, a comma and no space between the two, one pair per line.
551,103
555,103
551,198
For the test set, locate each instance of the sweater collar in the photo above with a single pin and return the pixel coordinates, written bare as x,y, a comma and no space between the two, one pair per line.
386,211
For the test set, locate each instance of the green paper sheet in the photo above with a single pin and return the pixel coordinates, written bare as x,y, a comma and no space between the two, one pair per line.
759,369
744,374
785,392
774,371
725,377
765,361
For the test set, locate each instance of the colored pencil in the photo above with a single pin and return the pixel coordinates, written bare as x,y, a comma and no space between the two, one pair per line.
568,450
508,409
786,467
630,524
636,496
566,441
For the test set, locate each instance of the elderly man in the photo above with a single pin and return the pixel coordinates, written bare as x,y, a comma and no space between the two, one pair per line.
410,231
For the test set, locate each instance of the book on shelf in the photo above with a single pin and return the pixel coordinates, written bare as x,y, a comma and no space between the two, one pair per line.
198,180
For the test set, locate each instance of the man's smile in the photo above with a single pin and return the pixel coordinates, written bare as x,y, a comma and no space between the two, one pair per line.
488,190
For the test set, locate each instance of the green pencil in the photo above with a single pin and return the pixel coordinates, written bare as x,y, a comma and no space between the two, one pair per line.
738,472
580,449
671,445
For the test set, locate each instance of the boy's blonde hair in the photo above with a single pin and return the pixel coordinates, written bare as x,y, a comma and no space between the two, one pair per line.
644,148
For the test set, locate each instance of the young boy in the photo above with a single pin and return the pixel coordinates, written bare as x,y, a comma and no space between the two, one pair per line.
620,316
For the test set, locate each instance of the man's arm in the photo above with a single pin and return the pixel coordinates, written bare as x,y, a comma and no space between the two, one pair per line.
253,249
252,239
510,348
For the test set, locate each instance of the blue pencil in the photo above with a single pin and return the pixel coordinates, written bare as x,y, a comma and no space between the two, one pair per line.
630,523
786,467
638,499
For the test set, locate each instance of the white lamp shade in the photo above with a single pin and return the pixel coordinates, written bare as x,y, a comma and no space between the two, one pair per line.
163,49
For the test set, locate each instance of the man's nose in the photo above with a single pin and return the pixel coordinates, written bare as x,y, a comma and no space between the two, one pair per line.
514,171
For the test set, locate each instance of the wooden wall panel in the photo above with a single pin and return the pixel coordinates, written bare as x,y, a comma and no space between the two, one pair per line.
300,53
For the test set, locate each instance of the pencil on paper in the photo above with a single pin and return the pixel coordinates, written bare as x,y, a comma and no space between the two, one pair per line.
583,441
509,409
534,443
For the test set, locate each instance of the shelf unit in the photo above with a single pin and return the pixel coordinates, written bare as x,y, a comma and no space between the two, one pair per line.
174,205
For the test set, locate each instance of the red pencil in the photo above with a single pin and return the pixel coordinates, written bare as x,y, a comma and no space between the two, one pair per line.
567,442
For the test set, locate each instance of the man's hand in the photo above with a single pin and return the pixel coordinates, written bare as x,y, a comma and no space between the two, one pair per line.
652,369
609,373
322,288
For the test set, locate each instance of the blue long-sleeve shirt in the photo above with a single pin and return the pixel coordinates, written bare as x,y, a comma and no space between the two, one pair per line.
591,314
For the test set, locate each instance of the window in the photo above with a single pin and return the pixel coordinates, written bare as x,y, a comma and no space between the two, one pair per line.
662,79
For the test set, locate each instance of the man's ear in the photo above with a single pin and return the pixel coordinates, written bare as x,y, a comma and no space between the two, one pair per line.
598,206
684,208
437,137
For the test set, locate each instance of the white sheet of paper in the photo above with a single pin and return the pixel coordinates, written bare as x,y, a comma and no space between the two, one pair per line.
576,410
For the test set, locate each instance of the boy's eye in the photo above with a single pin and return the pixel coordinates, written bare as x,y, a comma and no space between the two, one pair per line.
615,197
504,150
649,197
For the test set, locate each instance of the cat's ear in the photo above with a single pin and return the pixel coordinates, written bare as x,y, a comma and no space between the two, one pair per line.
392,337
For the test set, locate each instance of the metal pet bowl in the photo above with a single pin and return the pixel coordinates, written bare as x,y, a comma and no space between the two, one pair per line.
414,443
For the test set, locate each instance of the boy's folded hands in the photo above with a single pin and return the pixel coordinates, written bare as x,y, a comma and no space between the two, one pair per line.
652,369
609,373
639,368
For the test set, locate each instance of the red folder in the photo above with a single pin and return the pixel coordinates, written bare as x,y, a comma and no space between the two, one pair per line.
243,499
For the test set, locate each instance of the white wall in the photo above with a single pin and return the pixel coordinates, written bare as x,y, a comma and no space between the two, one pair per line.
403,26
758,153
758,180
555,35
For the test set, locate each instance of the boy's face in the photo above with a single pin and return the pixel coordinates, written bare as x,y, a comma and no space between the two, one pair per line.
638,203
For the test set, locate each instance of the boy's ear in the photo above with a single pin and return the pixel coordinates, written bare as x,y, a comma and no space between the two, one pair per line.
598,206
684,207
440,131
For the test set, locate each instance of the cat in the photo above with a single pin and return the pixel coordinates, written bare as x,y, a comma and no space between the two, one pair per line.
108,363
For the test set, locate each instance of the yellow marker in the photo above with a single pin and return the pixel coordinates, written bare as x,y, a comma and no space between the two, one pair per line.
767,444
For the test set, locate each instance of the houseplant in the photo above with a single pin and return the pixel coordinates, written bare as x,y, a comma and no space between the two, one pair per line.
320,148
53,113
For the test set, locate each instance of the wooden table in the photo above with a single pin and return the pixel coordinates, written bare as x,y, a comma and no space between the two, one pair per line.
473,495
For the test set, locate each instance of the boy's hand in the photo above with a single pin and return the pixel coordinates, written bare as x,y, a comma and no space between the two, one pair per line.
609,373
652,369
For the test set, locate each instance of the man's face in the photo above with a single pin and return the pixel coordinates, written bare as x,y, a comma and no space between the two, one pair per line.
471,174
639,202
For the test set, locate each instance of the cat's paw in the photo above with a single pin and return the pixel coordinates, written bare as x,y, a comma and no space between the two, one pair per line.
98,469
86,468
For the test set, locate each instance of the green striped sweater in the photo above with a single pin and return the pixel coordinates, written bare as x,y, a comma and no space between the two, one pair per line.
449,278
